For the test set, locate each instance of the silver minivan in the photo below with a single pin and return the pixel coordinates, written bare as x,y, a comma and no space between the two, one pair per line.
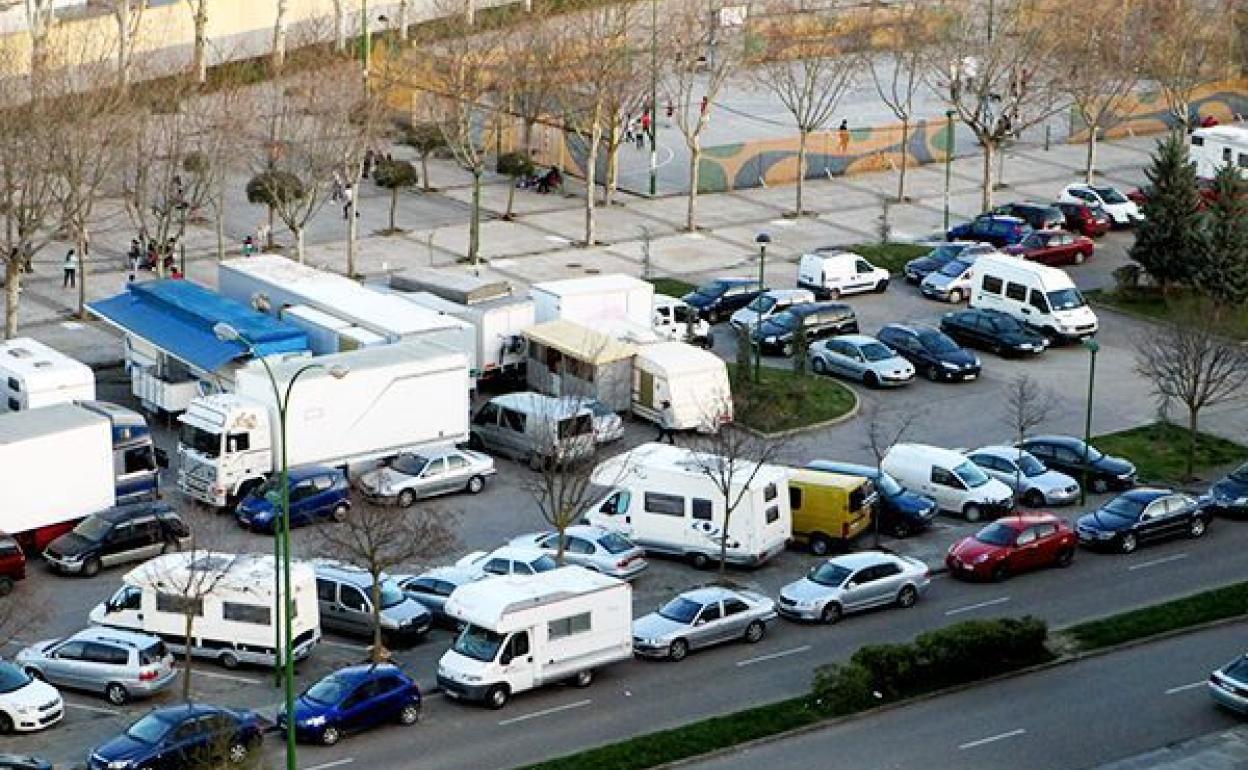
118,664
344,595
534,428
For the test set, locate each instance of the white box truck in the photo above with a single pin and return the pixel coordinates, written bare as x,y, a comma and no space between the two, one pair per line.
526,631
595,299
458,287
663,498
392,398
500,348
34,375
237,616
694,381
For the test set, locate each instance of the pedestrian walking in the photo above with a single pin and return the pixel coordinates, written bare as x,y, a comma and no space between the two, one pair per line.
842,137
249,246
134,254
628,130
666,421
71,270
370,161
335,190
28,257
706,104
645,130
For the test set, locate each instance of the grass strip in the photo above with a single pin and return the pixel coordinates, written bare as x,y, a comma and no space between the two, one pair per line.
1159,451
672,287
786,401
1205,607
890,256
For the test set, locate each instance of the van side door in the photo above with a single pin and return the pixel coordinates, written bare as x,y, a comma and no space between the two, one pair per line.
485,426
618,515
516,659
946,488
356,611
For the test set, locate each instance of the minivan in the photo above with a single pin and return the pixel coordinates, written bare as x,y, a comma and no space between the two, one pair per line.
534,428
120,665
830,273
829,509
957,485
816,320
768,304
126,533
1040,296
344,594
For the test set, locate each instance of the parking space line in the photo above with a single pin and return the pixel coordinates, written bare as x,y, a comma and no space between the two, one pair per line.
335,763
545,712
1155,562
978,606
95,709
1185,687
992,739
773,656
226,677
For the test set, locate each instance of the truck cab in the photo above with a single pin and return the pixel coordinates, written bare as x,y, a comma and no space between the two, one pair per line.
224,448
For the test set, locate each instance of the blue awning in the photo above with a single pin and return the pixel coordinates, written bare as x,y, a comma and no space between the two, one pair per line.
177,316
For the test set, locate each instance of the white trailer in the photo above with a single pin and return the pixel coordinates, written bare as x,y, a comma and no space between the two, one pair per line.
392,398
595,299
526,631
1216,146
34,375
237,618
458,287
500,347
694,381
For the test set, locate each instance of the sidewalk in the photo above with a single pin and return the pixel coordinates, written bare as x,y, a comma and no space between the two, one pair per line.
1218,751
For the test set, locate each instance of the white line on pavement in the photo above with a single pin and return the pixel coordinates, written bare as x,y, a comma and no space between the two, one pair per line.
992,739
96,709
345,645
226,677
1155,562
773,656
980,605
1185,687
335,763
545,712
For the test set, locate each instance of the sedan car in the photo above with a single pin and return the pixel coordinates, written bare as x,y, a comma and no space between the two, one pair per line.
952,282
507,560
353,699
409,477
993,331
721,297
1011,545
593,548
1139,516
1032,483
26,704
932,352
861,358
998,229
921,267
434,587
187,735
854,582
1084,219
701,618
901,512
117,664
1229,496
1229,685
1122,211
1054,247
1072,457
317,493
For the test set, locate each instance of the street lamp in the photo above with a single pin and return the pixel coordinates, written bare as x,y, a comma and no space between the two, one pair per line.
281,537
948,160
1093,348
654,97
762,239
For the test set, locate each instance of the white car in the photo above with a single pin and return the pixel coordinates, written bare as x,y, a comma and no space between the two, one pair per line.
1122,211
26,704
507,560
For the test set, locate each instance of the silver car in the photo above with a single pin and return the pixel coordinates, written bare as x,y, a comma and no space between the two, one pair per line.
701,618
409,477
434,587
854,582
608,426
593,548
1032,483
1229,685
861,358
120,665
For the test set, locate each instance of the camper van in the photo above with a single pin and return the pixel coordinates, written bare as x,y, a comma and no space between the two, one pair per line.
1040,296
526,631
829,509
831,273
1218,146
693,381
956,484
665,499
237,616
34,375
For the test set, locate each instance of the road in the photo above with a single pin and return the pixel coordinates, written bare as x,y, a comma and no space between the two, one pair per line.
1074,716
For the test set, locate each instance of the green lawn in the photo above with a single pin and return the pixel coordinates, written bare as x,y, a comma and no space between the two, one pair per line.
891,256
1226,602
672,287
1159,451
788,401
1158,308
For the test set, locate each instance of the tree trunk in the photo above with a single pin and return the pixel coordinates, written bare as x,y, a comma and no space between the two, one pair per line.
219,215
299,243
404,10
474,225
801,168
905,154
563,544
1192,414
12,295
378,653
591,167
268,236
723,540
613,172
121,13
470,12
990,148
187,661
340,25
394,205
1091,163
511,199
80,243
201,41
279,35
424,171
352,230
691,210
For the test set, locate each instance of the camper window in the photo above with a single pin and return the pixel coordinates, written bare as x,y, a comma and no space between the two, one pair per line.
478,643
770,492
667,505
702,509
617,503
179,604
517,647
246,613
128,598
992,284
138,459
773,514
577,624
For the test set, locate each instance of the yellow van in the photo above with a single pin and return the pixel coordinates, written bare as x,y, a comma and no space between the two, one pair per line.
829,509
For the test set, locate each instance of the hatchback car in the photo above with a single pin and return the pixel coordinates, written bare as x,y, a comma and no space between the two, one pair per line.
861,358
994,331
1229,495
1054,247
997,229
921,267
317,493
1072,457
410,477
1084,219
701,618
854,582
507,560
26,704
344,595
1229,685
127,533
12,564
901,512
1038,216
1140,516
1032,483
932,352
187,735
120,665
815,320
1011,545
353,699
1122,211
591,547
434,587
721,297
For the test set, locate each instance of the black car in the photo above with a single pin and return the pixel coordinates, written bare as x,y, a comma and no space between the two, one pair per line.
993,331
23,762
817,320
901,512
1139,516
1229,496
921,267
1040,216
933,353
1066,454
133,532
186,736
720,298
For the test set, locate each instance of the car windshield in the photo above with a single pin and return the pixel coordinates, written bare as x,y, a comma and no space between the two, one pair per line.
1237,670
876,352
1030,466
680,610
149,729
761,304
478,643
410,465
828,574
391,594
938,342
995,534
1240,474
946,252
783,321
207,444
613,543
92,528
888,485
971,475
1110,195
1066,299
1125,507
328,691
12,678
711,290
953,268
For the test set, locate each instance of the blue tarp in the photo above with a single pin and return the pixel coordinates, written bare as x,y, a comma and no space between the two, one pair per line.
177,316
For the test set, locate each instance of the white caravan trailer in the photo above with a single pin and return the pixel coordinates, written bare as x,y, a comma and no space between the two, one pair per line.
34,375
1214,147
693,380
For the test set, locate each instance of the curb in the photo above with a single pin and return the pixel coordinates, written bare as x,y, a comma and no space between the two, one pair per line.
848,415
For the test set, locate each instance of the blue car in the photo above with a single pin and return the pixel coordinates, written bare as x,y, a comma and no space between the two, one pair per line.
316,493
1229,496
998,229
353,699
190,735
902,512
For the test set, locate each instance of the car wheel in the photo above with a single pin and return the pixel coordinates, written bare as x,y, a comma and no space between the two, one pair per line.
330,735
91,567
996,349
1099,486
228,660
871,380
1000,573
955,296
476,484
972,513
678,650
6,585
1065,557
237,753
583,678
820,545
699,560
1033,498
1128,543
170,546
497,697
907,596
1196,527
410,714
819,366
755,632
830,614
6,724
339,514
116,694
882,286
931,372
406,498
35,673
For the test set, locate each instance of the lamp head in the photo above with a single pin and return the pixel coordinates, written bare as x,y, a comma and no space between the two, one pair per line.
225,332
762,239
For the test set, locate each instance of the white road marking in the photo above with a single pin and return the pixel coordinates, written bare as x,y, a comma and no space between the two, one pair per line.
1155,562
335,763
782,223
992,739
346,645
95,709
1185,687
545,712
502,262
226,677
773,656
980,605
557,239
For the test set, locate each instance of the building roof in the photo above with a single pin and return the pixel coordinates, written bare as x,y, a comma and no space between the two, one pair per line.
579,342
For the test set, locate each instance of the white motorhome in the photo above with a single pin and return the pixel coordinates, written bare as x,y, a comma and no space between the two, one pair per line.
957,485
526,631
595,299
1043,297
665,499
500,348
692,380
34,375
1216,146
237,614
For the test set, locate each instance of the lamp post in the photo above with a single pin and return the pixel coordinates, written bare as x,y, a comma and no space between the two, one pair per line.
1093,348
654,97
762,239
948,160
281,534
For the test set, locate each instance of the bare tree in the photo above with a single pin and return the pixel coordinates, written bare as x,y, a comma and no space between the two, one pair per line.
897,70
128,16
1180,51
533,74
280,31
380,539
40,17
199,55
883,430
1027,405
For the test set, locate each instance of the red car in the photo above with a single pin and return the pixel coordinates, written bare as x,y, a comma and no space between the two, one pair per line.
12,563
1011,545
1054,247
1084,219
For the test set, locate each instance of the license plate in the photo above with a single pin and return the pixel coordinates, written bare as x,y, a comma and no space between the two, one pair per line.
970,377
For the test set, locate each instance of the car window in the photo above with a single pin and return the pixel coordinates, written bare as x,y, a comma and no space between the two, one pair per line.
324,590
987,461
580,546
710,613
862,266
513,420
1039,302
1025,537
71,651
434,468
323,483
487,416
1045,530
1066,455
1016,291
352,598
888,569
186,730
456,463
421,586
945,478
734,606
497,566
864,575
518,645
443,588
105,653
1175,504
1043,451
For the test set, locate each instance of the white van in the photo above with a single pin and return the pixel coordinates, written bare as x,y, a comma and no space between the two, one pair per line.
1040,296
693,381
956,484
237,616
675,319
767,304
663,499
34,375
830,273
525,631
